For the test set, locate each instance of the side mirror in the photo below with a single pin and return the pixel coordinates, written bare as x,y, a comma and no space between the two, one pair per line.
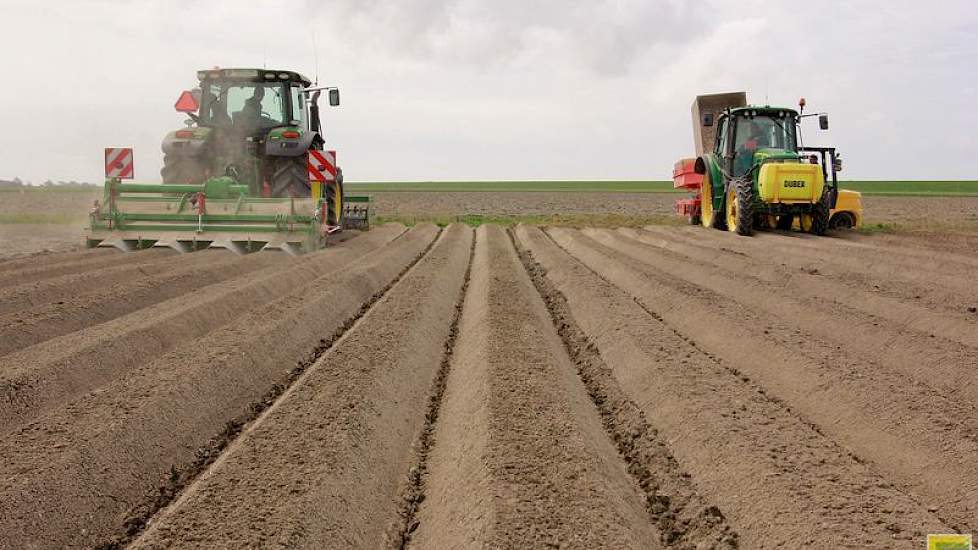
708,119
334,97
823,122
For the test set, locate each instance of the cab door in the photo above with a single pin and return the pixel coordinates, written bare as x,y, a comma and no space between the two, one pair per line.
722,150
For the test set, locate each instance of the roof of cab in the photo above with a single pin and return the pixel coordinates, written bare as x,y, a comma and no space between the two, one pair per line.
764,109
252,75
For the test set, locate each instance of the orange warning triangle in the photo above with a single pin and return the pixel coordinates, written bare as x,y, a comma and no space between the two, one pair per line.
187,103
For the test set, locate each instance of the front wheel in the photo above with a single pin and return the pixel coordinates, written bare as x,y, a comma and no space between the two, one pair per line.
740,206
842,220
708,216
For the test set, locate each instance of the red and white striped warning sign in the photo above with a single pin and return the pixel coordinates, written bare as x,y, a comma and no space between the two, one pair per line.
118,162
322,166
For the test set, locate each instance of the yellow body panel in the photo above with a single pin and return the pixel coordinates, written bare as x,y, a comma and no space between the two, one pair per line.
851,202
338,203
790,182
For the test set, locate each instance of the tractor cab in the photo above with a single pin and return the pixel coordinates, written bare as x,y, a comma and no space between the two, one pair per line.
748,136
255,126
252,101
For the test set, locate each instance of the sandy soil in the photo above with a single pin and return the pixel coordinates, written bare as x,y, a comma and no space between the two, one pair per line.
919,213
18,240
68,209
923,212
341,434
662,387
406,203
729,433
42,309
99,420
74,204
520,458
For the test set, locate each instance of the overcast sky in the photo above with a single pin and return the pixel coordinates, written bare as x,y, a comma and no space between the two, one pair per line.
501,89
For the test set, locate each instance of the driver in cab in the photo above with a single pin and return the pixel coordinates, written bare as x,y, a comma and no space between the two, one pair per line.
249,118
757,139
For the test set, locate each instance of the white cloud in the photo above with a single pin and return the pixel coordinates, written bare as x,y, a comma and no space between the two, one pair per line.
467,89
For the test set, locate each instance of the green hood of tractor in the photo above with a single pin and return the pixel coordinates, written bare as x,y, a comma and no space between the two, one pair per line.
275,134
765,154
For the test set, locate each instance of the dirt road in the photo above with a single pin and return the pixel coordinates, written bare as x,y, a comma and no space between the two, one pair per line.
672,388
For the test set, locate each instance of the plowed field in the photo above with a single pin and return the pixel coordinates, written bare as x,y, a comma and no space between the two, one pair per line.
430,388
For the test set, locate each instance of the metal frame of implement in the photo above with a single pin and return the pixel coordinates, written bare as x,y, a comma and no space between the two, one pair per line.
215,214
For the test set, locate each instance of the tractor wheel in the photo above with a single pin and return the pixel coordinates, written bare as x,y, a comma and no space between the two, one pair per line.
740,206
335,197
785,222
291,178
842,220
182,169
708,216
820,215
805,223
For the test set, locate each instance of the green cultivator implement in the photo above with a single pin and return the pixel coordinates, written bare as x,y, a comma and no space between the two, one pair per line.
249,173
215,214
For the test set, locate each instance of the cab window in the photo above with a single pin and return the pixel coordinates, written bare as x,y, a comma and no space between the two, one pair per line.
246,106
762,131
298,104
721,141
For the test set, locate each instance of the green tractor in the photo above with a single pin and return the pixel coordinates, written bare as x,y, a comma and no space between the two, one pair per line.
751,171
249,172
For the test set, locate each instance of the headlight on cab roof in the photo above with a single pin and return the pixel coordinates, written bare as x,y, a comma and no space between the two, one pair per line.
242,73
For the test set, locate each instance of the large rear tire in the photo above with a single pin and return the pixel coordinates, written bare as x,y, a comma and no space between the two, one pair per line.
335,198
290,178
740,206
708,215
182,169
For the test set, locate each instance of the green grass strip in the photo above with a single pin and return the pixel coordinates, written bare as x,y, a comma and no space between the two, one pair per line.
517,186
882,187
949,188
